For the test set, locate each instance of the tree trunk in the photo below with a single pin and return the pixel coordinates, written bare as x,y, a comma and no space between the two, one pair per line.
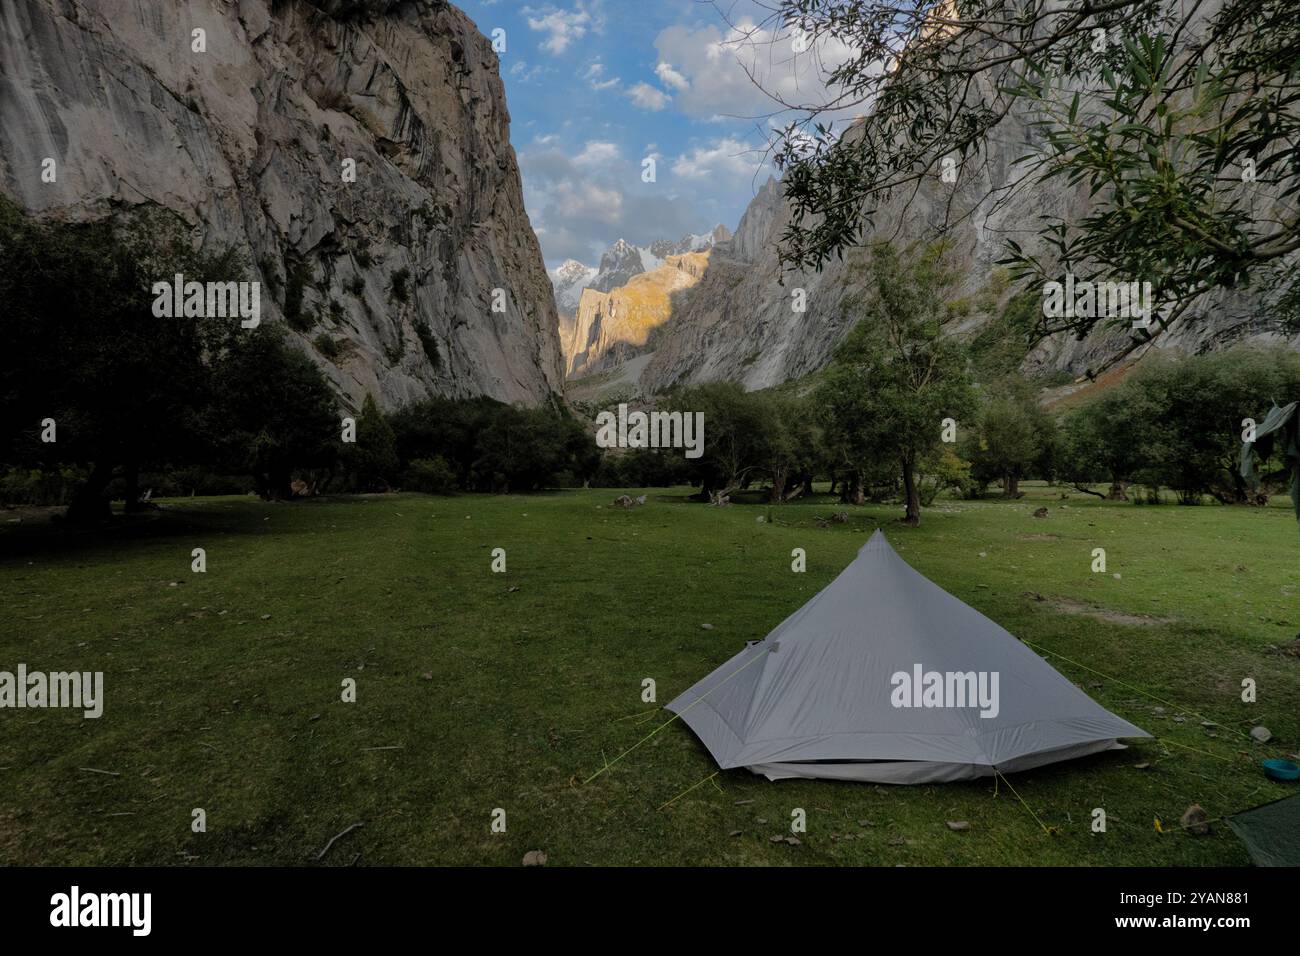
802,486
88,504
1011,486
776,494
1239,493
276,484
912,496
1088,491
852,491
131,478
1118,491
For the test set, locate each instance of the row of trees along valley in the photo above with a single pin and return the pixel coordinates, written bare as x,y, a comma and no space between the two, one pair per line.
194,407
907,412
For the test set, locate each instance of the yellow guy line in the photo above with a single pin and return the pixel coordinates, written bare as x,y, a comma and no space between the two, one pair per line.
1121,683
759,656
998,773
690,788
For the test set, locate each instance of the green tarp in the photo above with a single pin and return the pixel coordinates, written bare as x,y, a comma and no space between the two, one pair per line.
1271,832
1278,436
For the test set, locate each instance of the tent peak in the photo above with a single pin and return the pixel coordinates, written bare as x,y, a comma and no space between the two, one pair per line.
877,542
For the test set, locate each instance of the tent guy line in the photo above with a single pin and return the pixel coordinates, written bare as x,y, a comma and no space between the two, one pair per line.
610,763
1050,831
1134,687
690,788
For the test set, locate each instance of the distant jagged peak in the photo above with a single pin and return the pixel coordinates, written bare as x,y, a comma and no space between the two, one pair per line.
620,251
569,269
619,263
568,279
622,261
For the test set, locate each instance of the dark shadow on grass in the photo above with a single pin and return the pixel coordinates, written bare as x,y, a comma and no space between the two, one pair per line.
234,515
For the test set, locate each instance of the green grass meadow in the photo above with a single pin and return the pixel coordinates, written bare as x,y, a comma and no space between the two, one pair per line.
478,690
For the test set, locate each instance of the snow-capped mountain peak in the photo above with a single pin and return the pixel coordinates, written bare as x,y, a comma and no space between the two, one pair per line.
620,262
568,279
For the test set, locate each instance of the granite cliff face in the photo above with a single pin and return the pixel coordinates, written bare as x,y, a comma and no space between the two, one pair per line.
741,323
247,142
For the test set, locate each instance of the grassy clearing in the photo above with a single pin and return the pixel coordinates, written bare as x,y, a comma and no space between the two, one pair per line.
506,690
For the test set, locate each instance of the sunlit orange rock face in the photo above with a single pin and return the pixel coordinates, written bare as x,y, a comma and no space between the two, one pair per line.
610,327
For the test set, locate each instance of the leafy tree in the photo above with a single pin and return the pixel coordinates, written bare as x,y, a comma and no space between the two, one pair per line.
1200,404
898,375
1015,437
491,446
853,425
1180,122
443,427
371,461
1178,423
525,450
125,388
272,412
642,468
740,436
943,470
1109,439
430,476
794,449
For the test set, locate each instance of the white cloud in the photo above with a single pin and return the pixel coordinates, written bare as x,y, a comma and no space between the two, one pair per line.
579,208
562,27
590,201
671,77
597,153
648,97
710,69
595,76
728,157
521,71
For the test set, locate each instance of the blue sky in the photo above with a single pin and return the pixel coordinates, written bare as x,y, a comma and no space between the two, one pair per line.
596,86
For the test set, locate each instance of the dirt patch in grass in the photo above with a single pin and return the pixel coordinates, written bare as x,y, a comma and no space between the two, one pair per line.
1040,536
1063,605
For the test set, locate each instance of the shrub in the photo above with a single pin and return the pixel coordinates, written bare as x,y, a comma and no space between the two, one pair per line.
297,275
33,486
401,292
327,346
428,342
429,476
336,100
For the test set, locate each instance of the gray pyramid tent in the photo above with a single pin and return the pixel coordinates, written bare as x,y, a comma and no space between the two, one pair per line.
886,677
